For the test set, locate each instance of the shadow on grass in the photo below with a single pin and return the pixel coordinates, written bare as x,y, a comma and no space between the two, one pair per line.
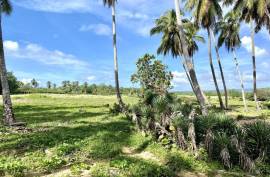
110,135
40,114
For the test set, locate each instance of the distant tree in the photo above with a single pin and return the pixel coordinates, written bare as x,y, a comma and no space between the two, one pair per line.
34,83
9,118
152,75
54,86
75,87
49,85
85,86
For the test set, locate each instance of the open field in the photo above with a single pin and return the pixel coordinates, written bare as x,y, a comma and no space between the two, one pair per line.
76,136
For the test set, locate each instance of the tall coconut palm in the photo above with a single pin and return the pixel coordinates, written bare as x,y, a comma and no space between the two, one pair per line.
111,4
167,25
9,117
206,13
250,13
229,29
171,43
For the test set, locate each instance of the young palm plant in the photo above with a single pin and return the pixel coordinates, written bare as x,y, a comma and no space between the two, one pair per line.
229,29
171,43
206,13
111,4
9,117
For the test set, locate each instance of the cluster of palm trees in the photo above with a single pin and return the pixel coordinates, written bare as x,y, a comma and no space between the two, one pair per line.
180,39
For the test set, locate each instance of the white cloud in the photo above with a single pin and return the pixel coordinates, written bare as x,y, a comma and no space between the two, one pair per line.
179,78
38,53
246,41
11,45
136,16
58,6
26,80
265,65
99,29
91,78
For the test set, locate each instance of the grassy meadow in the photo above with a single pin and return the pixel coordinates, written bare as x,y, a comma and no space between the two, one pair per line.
75,135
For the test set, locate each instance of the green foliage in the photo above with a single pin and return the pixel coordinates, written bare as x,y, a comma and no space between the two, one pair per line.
258,140
152,75
77,169
262,94
14,84
14,167
52,163
115,109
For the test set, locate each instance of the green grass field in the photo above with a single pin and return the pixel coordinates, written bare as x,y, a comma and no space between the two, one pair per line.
76,136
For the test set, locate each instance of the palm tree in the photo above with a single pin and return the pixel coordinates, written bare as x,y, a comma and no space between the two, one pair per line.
183,43
229,30
206,13
9,117
111,4
167,24
250,13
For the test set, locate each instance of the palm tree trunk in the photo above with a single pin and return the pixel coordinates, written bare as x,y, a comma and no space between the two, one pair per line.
241,80
190,81
213,69
221,70
117,88
197,89
187,74
9,117
254,65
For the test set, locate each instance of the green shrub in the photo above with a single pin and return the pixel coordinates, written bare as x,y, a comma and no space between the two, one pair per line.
258,140
52,163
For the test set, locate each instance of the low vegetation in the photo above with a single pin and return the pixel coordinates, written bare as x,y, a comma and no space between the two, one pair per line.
76,135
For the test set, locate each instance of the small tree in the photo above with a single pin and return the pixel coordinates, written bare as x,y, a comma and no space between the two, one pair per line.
152,75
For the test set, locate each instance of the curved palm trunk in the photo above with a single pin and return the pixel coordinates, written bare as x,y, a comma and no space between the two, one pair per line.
9,117
117,88
197,89
221,71
190,81
241,80
213,69
187,74
254,65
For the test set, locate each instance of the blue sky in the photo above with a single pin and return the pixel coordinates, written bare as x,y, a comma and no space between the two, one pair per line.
60,40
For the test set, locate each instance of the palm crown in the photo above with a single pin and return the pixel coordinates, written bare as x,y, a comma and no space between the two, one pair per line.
109,3
229,29
6,6
170,43
206,12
